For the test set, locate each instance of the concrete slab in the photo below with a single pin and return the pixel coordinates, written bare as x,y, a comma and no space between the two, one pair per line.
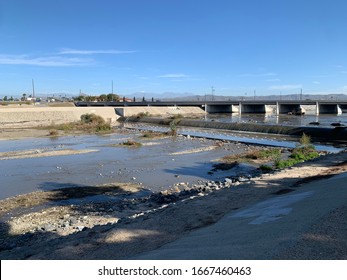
261,230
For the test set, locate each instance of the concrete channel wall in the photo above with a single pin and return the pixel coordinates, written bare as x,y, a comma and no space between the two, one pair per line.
338,134
158,111
30,117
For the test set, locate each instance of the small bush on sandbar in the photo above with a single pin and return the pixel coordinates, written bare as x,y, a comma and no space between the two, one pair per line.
143,115
302,152
94,122
53,133
131,143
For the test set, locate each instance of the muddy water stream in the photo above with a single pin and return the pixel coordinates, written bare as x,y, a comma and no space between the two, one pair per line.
156,165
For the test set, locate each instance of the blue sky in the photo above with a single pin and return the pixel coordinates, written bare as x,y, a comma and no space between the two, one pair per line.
179,46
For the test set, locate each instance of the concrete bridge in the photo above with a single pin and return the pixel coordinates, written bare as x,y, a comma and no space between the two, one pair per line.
236,106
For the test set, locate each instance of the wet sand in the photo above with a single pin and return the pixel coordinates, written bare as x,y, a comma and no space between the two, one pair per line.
36,153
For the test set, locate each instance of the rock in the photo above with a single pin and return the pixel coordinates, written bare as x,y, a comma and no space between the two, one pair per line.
80,228
228,180
243,179
73,221
66,216
133,178
48,227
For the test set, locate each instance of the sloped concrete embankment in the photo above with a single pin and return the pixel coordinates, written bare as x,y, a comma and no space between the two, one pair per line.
31,117
338,134
159,111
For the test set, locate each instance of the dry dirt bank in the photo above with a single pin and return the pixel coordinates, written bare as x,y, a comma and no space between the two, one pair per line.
39,116
126,220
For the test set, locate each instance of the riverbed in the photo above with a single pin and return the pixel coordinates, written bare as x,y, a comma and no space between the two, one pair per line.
157,164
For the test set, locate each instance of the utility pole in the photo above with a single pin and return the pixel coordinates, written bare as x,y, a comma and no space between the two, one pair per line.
112,91
301,94
32,81
212,90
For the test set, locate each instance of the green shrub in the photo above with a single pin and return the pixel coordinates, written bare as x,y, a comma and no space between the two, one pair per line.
173,128
280,164
53,133
92,118
94,123
131,143
305,140
176,117
303,152
264,154
265,168
143,115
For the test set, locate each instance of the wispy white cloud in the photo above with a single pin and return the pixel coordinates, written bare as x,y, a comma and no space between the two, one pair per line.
174,75
285,87
91,52
58,61
316,82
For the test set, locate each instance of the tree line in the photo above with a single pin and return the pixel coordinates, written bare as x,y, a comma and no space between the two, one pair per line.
102,97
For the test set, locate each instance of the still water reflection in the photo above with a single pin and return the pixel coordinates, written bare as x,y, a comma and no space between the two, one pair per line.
305,120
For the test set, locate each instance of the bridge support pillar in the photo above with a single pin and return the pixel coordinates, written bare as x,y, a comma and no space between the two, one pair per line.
317,108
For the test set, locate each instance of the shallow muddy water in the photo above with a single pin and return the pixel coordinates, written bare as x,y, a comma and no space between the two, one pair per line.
254,138
157,165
